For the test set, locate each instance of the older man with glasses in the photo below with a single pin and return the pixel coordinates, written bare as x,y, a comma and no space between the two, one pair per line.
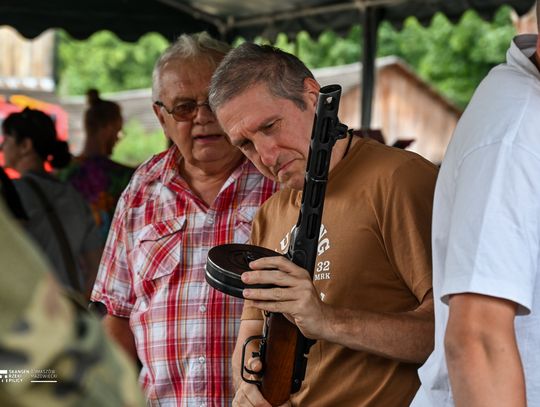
199,193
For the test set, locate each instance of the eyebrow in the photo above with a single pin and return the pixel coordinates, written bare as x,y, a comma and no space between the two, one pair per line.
258,127
179,100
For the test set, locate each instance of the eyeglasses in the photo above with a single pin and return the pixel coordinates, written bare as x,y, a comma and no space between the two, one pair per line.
185,111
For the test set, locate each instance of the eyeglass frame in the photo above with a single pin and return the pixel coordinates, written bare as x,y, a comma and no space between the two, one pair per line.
190,115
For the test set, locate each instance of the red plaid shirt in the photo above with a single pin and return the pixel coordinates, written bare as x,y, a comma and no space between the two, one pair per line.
152,272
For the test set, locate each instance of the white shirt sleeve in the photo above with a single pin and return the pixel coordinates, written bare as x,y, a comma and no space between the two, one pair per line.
493,244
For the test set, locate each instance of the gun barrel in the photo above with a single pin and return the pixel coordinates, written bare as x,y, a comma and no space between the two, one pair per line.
286,349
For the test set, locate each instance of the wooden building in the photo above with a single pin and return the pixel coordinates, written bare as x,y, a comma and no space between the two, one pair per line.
26,65
405,107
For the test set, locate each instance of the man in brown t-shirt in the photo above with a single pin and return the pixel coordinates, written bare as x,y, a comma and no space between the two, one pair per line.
369,305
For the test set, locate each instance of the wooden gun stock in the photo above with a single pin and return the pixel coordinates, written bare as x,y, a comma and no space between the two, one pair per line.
283,349
278,361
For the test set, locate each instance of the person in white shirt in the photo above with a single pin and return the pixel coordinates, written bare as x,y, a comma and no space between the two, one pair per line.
486,246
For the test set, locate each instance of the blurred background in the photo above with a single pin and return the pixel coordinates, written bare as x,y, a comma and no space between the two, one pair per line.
425,75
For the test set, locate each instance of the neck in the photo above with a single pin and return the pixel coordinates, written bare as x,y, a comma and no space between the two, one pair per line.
206,180
340,150
93,146
29,164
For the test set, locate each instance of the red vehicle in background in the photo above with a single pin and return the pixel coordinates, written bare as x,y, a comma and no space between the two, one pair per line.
16,103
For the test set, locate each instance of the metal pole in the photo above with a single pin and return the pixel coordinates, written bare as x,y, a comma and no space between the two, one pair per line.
370,23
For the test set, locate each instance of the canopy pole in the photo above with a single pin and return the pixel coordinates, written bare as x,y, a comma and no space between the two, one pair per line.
370,24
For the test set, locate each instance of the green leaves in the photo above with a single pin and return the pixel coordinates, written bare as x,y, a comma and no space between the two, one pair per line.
452,57
137,146
106,63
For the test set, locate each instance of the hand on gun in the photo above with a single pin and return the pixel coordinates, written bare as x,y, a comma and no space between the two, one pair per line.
248,395
296,296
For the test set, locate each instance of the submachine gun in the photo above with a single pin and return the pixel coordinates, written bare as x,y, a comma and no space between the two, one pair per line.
283,349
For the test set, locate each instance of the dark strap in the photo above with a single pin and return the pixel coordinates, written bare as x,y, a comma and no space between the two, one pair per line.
11,197
67,255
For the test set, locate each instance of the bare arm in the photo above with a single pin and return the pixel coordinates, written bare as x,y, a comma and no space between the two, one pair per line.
247,394
481,352
406,336
118,328
247,328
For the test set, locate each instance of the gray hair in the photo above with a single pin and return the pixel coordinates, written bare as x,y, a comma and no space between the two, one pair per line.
189,47
251,64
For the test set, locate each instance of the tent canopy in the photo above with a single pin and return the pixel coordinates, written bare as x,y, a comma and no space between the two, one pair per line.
227,19
130,19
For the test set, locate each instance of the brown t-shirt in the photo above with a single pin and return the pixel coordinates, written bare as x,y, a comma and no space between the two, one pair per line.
374,254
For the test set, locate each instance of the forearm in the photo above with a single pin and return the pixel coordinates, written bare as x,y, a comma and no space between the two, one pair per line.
406,337
483,359
486,374
119,330
247,328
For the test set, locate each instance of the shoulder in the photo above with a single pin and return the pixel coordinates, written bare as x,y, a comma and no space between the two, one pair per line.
119,168
502,116
378,163
148,173
70,171
60,194
252,181
279,202
153,166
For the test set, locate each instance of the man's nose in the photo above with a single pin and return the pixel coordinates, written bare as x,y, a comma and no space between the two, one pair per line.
203,114
268,151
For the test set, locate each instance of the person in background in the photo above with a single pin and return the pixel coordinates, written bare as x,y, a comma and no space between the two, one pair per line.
486,241
199,193
59,218
45,336
99,179
369,305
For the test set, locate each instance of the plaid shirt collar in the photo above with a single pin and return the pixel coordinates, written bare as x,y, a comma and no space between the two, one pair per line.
168,173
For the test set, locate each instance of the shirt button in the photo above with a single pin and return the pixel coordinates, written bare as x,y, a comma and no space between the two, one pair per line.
210,221
203,405
202,308
202,359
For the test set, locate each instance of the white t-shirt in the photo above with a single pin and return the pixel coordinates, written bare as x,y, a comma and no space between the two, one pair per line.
486,216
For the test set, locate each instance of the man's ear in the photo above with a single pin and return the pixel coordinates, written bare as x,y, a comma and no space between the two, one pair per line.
312,88
159,114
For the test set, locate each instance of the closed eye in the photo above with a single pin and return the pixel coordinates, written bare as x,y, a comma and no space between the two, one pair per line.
245,145
268,126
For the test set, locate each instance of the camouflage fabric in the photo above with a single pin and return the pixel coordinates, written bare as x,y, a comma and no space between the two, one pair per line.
52,353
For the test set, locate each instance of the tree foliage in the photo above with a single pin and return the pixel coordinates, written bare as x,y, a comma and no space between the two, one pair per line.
451,57
136,145
106,63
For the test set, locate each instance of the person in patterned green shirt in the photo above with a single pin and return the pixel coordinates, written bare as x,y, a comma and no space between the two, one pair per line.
93,174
